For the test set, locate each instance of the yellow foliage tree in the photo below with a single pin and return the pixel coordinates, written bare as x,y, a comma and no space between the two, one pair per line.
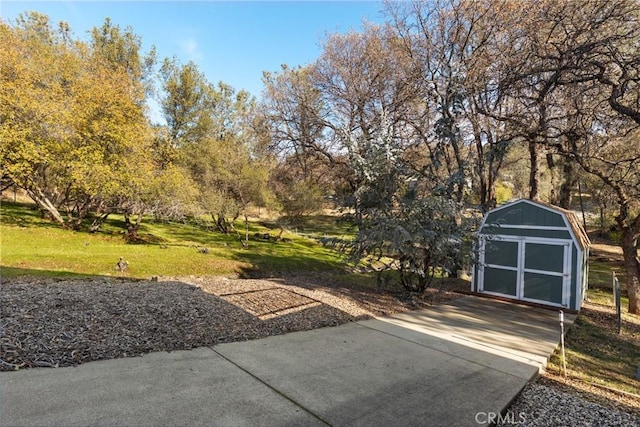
74,132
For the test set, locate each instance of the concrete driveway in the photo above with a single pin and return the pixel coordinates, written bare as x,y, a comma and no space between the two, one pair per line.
449,365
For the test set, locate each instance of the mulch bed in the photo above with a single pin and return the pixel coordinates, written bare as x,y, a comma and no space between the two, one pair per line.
66,322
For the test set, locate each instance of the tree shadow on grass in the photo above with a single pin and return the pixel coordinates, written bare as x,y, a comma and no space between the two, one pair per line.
18,272
286,263
24,215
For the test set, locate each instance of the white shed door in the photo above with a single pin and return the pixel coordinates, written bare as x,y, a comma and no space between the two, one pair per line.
529,269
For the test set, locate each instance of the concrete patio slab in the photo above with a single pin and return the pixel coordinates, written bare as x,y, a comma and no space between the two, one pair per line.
194,388
477,329
352,375
441,366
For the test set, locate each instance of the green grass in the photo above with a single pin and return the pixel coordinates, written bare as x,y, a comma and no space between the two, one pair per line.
318,226
600,276
605,297
31,245
601,282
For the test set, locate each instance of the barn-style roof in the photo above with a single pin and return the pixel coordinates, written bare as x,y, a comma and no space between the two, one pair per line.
571,219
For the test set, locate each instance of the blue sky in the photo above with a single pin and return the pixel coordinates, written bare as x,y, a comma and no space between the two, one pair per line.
230,41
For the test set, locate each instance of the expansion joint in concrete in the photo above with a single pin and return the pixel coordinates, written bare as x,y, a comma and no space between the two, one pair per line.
289,398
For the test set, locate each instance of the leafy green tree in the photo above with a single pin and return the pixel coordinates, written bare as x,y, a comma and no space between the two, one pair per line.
31,88
187,103
39,88
122,50
214,129
118,116
401,228
420,237
230,180
296,194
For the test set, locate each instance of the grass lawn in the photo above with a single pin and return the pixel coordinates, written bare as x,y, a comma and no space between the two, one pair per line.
319,226
31,245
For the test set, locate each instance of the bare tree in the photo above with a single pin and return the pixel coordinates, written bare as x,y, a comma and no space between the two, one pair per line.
582,59
449,46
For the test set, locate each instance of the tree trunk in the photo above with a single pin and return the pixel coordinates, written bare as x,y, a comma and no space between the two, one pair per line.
246,229
632,267
97,222
221,223
132,227
568,183
44,203
534,174
484,187
554,196
76,215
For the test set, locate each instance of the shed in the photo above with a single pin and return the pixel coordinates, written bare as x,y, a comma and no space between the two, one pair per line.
533,252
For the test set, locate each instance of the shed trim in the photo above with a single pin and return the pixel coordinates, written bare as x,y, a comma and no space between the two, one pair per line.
534,239
531,227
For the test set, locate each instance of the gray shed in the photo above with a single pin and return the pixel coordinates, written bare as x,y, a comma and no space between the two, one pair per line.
532,252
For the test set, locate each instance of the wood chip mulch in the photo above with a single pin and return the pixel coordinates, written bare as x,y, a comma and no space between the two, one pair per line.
55,322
